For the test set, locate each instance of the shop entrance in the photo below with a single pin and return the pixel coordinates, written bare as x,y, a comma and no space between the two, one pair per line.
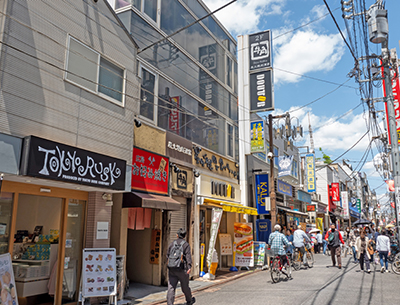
44,235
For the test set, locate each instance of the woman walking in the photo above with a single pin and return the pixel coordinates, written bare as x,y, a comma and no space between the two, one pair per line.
361,245
383,247
352,242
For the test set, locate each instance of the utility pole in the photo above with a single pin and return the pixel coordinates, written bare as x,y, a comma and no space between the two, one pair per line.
378,33
272,194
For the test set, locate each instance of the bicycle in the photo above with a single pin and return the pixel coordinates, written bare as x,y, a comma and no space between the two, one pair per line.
396,264
276,269
298,257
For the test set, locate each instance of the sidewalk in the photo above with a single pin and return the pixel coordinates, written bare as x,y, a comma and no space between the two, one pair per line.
149,295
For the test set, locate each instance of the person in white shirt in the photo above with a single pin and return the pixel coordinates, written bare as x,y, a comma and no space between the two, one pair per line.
298,241
383,247
319,242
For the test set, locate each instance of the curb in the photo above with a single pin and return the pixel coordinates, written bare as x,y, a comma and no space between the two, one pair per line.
230,279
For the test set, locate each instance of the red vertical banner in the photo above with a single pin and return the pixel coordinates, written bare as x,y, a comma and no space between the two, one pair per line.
173,120
335,191
396,91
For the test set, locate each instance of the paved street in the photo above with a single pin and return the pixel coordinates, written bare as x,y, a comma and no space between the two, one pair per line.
322,284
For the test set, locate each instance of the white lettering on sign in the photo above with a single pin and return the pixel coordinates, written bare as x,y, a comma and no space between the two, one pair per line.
179,148
60,161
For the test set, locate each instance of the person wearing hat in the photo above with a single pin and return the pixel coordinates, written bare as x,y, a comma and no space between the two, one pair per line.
179,273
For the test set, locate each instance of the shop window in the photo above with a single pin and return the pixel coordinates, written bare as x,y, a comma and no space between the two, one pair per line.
88,69
230,140
229,71
147,94
6,206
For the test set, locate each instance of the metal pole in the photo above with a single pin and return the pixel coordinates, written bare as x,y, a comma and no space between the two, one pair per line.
271,170
392,130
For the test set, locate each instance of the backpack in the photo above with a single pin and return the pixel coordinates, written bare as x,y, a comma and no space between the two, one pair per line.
175,259
331,237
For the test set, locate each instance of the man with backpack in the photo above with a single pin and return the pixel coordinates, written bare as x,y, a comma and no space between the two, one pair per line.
179,267
334,238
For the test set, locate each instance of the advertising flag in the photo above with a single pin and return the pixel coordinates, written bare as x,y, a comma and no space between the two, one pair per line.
215,221
257,136
285,165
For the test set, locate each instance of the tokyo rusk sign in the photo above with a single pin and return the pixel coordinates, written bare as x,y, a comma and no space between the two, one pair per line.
51,160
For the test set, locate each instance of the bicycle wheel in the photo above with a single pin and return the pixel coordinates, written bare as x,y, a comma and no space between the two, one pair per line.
396,266
310,259
275,272
289,269
296,260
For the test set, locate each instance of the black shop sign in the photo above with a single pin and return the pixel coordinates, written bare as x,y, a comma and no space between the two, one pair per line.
51,160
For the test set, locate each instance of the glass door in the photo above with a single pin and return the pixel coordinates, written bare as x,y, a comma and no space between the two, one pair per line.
6,206
73,250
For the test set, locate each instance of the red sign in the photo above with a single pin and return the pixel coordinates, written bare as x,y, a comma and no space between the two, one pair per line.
390,184
335,192
396,92
173,120
310,208
150,172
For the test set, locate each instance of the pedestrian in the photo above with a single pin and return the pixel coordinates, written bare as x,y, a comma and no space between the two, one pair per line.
298,241
352,244
334,239
324,242
383,247
289,237
363,253
179,267
368,233
319,242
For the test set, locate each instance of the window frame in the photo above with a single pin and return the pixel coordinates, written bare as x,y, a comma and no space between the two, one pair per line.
99,56
155,104
227,140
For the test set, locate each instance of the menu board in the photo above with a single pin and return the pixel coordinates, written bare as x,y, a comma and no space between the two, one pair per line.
225,242
99,272
7,281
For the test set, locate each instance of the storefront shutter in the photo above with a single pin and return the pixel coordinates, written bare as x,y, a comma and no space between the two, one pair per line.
178,218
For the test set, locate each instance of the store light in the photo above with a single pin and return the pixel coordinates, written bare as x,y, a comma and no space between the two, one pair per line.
43,190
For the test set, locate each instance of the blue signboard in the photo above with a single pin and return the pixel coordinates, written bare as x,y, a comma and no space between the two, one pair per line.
263,229
310,173
284,188
303,196
353,209
262,192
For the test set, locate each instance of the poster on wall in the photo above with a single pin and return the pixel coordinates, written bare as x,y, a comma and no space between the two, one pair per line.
259,253
7,281
225,243
98,273
215,221
244,244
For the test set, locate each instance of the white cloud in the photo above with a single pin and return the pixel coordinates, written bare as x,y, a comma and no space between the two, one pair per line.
244,17
306,51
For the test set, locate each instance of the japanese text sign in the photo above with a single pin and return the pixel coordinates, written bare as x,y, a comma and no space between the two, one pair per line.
310,173
260,50
257,136
262,193
149,172
335,191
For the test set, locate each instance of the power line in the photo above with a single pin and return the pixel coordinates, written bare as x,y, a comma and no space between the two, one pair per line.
341,34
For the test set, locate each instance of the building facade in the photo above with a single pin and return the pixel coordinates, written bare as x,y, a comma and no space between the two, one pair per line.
68,97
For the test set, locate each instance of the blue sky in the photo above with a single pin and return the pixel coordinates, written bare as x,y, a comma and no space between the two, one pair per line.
317,51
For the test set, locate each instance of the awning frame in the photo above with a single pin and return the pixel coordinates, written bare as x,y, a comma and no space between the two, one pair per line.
145,200
231,207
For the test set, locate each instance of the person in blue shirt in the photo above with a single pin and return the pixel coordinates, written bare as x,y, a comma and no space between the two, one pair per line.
277,242
289,237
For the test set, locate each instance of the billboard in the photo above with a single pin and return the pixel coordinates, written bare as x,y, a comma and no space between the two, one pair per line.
310,173
285,165
261,91
396,92
262,193
345,205
257,136
260,50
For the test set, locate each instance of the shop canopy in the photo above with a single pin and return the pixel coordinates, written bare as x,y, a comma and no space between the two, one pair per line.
231,207
285,209
143,200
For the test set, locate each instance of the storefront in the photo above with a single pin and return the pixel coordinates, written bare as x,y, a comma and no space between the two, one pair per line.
58,205
322,220
149,214
216,187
